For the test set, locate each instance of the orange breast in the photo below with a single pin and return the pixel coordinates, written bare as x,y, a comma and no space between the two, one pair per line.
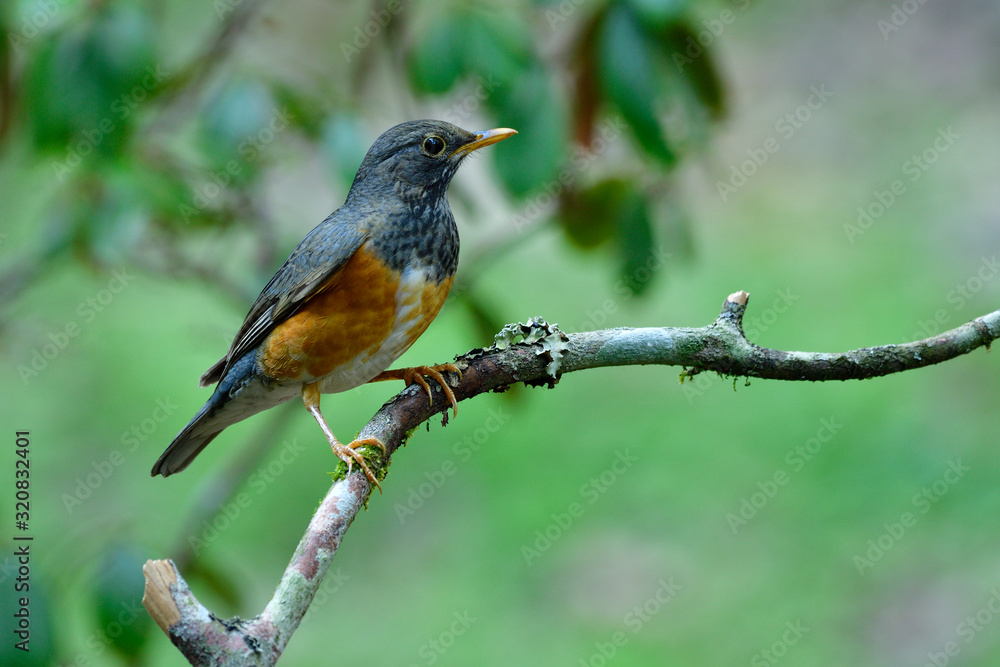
357,324
351,313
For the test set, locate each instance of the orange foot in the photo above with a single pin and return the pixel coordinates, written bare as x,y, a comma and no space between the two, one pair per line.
416,375
349,453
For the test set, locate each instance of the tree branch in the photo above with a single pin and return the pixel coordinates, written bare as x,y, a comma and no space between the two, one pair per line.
540,356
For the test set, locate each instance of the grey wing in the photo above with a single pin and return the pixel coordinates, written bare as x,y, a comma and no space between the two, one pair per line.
321,253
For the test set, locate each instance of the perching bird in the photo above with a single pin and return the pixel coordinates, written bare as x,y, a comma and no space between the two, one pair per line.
354,294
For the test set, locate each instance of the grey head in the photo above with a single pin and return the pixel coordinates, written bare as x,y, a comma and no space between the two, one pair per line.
416,160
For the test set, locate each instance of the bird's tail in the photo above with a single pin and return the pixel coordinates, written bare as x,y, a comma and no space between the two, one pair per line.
191,440
220,411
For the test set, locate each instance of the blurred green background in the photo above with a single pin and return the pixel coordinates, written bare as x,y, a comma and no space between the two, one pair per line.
838,160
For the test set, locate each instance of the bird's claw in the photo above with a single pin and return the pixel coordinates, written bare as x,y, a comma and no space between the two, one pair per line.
416,375
350,455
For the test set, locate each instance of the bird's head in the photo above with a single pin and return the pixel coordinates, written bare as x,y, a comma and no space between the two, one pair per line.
419,157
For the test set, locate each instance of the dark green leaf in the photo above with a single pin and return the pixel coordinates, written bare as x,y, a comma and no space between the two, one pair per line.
497,47
301,107
625,59
85,83
590,216
659,13
437,59
680,45
531,106
614,208
635,238
64,95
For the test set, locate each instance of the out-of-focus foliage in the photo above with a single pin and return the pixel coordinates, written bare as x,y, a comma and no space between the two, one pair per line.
150,151
107,113
158,159
85,78
626,65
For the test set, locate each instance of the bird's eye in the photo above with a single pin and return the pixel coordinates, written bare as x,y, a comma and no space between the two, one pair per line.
433,145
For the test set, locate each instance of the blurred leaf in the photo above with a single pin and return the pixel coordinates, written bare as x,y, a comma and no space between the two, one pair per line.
84,83
437,59
628,79
42,642
695,65
302,108
635,239
589,217
659,13
118,589
497,47
530,106
63,94
614,208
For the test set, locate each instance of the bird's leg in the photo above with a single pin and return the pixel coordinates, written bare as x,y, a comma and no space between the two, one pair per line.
346,453
416,375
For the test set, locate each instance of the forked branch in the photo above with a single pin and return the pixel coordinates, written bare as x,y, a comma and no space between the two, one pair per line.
535,354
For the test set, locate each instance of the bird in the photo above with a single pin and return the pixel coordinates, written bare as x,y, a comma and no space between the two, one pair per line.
353,296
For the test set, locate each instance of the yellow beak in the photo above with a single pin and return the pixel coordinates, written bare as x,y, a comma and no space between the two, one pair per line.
484,138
